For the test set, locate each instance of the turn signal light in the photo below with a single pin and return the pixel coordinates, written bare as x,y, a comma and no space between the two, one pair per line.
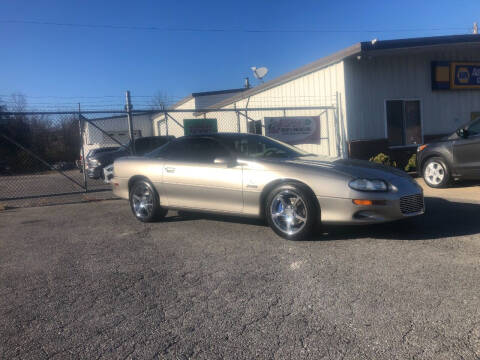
362,202
369,202
421,147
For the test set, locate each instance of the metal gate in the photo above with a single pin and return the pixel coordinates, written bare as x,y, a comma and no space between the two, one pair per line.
44,155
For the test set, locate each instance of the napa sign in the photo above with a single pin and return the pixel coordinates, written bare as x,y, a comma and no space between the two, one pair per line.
294,129
465,75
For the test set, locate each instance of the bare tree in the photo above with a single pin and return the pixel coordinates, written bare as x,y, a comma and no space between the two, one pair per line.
159,101
18,102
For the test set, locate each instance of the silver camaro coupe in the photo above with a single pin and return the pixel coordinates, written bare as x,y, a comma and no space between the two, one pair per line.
256,176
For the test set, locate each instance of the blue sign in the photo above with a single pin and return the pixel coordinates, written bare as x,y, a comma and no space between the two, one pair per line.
465,75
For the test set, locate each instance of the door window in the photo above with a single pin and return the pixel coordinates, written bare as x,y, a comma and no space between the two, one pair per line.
201,150
404,125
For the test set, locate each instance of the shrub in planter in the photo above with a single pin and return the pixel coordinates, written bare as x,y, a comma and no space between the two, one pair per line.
383,159
412,164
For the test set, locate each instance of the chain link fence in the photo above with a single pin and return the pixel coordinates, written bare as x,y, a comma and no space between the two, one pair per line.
58,157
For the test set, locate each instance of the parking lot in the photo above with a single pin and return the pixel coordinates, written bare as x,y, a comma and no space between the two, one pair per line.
88,280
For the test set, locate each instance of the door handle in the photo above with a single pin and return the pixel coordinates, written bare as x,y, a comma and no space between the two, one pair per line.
170,169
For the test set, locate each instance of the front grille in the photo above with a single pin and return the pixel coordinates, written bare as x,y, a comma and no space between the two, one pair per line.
411,204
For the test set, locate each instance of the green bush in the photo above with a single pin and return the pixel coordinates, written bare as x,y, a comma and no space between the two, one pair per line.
412,163
383,159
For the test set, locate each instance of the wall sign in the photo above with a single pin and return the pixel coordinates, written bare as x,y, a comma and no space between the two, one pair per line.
465,75
199,126
455,75
294,129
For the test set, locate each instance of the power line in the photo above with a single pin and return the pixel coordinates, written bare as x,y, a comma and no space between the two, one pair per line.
221,30
89,97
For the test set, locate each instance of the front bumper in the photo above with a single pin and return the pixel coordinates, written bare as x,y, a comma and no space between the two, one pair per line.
344,211
94,172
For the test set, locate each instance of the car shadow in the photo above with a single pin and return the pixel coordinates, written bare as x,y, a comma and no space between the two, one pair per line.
443,218
191,216
465,183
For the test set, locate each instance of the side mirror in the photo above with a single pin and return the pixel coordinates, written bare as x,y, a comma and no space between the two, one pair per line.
224,160
463,133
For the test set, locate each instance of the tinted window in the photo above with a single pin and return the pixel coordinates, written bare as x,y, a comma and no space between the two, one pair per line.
474,129
147,144
196,150
142,145
261,147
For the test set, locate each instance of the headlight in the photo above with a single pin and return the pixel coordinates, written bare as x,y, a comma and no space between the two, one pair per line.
368,185
94,162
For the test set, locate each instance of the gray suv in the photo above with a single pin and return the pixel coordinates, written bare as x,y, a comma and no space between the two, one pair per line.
454,157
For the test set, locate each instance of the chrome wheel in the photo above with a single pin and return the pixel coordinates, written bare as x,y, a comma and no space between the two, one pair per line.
434,173
288,212
142,200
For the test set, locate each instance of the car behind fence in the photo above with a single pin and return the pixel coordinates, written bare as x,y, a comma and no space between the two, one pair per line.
44,156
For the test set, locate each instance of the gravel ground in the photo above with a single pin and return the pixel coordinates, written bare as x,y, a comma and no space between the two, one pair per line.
37,189
88,281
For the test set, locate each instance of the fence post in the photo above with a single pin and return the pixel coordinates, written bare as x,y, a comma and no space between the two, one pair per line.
166,123
82,141
328,131
238,118
128,107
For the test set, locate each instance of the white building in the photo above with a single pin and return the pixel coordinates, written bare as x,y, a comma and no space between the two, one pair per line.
114,127
389,96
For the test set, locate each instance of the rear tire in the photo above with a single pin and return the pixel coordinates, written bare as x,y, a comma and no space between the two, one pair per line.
436,173
145,203
291,211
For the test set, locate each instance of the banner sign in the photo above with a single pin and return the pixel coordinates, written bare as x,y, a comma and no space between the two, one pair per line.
465,75
294,129
199,126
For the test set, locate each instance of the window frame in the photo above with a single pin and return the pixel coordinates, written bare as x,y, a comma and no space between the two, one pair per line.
385,115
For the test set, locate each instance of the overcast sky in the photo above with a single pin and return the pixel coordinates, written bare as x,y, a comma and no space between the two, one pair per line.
42,60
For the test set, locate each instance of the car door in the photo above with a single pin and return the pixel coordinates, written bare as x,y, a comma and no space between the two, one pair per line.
192,180
466,152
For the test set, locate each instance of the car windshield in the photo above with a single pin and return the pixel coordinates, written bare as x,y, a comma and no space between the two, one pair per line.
261,147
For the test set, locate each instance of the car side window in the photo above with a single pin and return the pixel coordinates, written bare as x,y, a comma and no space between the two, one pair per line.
202,150
259,148
142,145
474,129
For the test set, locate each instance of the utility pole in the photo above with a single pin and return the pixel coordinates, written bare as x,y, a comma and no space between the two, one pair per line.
475,28
128,107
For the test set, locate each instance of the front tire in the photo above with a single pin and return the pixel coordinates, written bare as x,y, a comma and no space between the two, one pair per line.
436,173
291,211
145,203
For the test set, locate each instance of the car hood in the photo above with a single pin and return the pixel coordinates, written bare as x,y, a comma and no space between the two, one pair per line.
352,168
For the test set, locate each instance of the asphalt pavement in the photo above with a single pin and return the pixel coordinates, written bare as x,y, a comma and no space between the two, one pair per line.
89,281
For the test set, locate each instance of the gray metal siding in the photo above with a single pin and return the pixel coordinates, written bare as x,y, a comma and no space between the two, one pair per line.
370,81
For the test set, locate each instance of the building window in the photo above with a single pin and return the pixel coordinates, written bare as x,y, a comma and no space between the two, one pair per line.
255,127
404,126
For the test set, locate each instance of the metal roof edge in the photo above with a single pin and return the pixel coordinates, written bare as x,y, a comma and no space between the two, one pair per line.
406,43
218,92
